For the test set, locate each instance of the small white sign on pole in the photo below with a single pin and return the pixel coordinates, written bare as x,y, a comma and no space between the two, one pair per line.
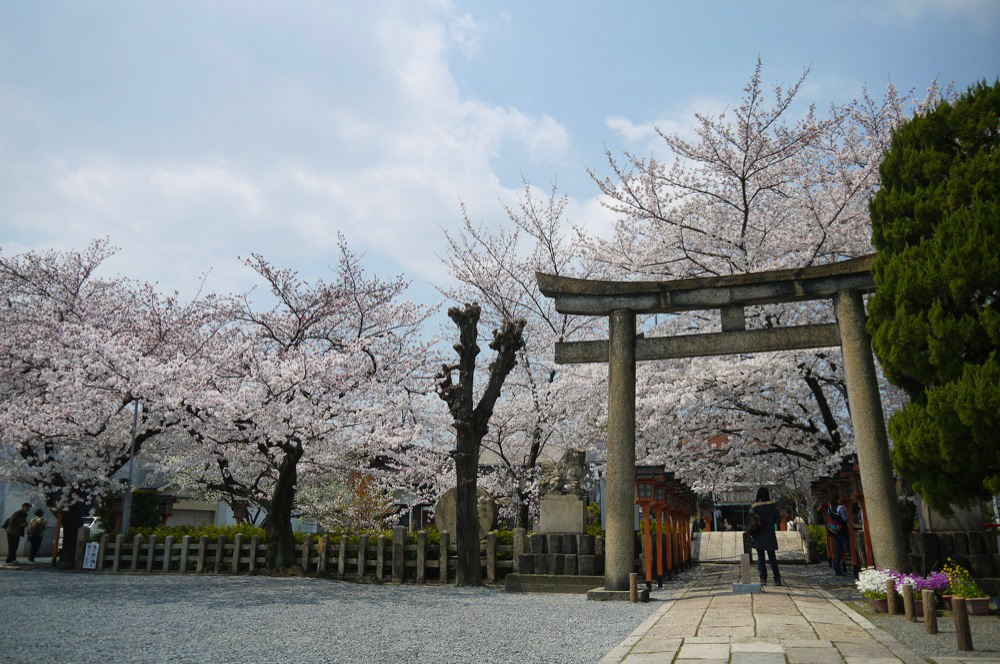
90,556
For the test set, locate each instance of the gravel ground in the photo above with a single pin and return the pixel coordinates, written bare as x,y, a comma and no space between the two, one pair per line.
985,633
49,616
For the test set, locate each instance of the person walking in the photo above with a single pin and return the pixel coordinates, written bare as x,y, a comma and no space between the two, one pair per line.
836,524
764,518
36,530
15,531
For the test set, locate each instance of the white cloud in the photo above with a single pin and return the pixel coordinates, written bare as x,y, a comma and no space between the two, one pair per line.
642,136
281,162
467,33
591,216
976,10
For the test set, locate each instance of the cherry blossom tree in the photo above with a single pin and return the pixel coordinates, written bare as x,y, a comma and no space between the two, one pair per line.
761,186
78,351
293,386
471,418
544,405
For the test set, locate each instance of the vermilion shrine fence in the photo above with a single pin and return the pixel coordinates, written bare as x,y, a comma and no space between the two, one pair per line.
844,283
669,504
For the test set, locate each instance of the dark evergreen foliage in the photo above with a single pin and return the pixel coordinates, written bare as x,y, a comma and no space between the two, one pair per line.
935,319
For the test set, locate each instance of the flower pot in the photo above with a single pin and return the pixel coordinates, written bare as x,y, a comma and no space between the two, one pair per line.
978,606
945,602
880,605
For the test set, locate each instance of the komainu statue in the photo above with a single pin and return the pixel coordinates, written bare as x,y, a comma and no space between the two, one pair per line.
564,477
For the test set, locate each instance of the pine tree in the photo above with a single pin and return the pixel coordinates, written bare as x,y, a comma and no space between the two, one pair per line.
935,319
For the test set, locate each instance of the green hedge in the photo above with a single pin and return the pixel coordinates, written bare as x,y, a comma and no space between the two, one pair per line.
818,534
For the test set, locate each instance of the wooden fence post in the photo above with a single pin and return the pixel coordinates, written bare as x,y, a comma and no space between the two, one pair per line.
321,547
398,553
519,537
199,566
930,611
101,551
82,540
117,558
443,556
962,631
890,596
421,556
136,551
237,552
220,553
151,552
342,554
491,557
185,545
305,552
168,552
254,542
380,557
362,552
908,608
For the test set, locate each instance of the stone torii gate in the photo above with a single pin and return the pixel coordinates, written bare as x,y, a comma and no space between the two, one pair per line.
844,282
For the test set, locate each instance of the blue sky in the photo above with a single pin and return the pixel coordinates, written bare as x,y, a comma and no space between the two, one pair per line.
195,132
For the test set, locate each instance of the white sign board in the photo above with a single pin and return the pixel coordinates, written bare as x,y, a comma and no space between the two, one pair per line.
90,556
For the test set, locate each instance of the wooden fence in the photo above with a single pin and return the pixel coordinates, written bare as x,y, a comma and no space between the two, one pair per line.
369,560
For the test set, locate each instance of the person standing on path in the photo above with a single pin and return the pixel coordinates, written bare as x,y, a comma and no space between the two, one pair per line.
762,538
836,524
15,531
36,529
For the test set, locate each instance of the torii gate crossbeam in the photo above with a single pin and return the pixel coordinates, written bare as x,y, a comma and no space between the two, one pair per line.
844,282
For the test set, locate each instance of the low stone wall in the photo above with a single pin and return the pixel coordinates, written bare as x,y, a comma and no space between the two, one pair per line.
563,554
977,551
370,560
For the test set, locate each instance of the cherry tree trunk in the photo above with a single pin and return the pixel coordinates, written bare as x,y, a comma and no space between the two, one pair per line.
470,571
471,423
72,521
278,524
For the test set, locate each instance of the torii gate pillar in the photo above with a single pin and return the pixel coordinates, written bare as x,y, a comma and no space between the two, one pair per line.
884,522
620,488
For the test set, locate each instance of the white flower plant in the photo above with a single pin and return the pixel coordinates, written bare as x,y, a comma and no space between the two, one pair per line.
872,582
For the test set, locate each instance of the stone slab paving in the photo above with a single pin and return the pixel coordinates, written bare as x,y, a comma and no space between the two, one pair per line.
798,623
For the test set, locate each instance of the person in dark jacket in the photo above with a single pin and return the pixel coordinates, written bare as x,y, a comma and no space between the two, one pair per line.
15,531
764,540
839,533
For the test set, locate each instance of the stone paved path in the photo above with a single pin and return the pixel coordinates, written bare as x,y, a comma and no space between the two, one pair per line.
800,621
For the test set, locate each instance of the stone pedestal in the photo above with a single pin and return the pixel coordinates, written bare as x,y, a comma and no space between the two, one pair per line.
562,514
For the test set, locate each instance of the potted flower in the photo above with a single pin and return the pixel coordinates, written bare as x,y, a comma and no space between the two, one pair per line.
871,582
918,583
963,585
939,583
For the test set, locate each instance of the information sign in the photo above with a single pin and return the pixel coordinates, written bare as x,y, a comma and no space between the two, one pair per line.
90,556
